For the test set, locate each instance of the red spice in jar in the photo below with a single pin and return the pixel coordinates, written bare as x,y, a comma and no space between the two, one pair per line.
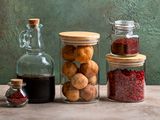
125,46
17,98
126,85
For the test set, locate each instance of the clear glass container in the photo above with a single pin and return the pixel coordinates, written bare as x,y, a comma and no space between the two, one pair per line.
79,66
126,78
123,41
15,96
36,67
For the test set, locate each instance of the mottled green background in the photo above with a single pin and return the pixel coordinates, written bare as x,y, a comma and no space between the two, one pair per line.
89,15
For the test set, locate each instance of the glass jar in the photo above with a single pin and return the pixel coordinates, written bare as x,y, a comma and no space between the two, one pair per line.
36,67
126,78
15,96
123,41
79,66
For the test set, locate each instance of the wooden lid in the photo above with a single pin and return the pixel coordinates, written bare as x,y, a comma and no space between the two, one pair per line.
34,22
16,82
79,35
125,59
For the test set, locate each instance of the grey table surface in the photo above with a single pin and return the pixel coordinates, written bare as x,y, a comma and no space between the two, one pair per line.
102,110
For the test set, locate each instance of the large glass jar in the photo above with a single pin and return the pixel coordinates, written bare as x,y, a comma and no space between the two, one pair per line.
123,41
79,66
15,95
126,78
36,67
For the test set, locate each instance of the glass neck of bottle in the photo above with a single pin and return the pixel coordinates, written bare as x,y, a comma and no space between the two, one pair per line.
35,42
16,87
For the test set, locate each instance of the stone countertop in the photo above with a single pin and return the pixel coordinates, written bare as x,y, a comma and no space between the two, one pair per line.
103,110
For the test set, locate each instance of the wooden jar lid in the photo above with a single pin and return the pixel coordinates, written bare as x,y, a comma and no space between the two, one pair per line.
79,37
17,82
124,59
34,22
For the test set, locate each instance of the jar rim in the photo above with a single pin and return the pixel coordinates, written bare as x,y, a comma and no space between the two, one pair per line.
125,25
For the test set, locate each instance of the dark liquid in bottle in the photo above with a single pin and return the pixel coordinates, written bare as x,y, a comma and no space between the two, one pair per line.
40,89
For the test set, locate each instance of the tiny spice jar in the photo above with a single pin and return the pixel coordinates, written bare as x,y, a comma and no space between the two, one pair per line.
15,96
79,66
126,78
123,41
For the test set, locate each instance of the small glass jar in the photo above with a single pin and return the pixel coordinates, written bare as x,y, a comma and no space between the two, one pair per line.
15,96
79,66
126,78
123,41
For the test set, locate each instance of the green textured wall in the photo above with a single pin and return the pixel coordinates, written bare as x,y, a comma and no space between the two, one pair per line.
89,15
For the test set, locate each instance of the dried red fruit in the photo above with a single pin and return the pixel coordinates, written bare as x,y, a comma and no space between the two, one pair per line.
125,46
17,98
126,85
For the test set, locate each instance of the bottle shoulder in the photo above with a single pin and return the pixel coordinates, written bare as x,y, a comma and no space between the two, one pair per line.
41,58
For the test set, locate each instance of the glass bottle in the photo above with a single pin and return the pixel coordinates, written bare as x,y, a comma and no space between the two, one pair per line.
36,67
15,96
123,40
79,66
126,78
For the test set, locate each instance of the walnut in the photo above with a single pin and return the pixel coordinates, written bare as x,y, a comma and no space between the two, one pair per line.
66,87
89,69
69,69
68,52
88,93
72,94
92,80
79,81
84,53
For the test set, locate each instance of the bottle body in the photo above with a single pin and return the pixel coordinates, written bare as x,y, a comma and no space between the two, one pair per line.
40,88
36,67
79,69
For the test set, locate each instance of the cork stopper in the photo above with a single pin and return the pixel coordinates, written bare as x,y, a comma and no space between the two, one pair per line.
33,22
17,82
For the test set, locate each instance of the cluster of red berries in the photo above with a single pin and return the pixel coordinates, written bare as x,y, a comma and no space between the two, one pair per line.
17,98
123,46
126,85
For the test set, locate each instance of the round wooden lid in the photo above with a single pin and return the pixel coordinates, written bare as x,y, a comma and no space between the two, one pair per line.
16,82
79,35
125,59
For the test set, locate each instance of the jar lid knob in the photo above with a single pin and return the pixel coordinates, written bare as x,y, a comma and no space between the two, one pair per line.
33,22
16,82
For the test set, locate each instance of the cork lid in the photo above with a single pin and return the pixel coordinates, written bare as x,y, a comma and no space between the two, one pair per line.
16,82
33,22
124,59
80,37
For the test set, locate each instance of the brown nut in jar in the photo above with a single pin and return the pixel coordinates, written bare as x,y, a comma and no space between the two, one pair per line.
88,93
69,69
89,69
66,86
92,80
79,81
68,52
84,53
72,94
